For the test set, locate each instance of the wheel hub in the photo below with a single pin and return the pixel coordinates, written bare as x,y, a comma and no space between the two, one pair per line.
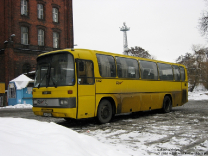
105,112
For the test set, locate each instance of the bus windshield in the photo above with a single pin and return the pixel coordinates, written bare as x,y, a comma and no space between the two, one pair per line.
55,70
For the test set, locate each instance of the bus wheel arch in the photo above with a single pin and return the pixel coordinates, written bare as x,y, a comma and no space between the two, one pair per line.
167,103
106,110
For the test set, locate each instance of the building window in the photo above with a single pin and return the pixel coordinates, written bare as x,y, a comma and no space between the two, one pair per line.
40,11
24,7
24,35
55,40
55,15
40,37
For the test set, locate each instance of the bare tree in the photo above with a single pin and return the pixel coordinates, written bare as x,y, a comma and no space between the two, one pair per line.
139,52
197,66
205,76
203,24
188,60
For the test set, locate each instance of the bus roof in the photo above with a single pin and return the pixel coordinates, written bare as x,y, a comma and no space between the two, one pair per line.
91,53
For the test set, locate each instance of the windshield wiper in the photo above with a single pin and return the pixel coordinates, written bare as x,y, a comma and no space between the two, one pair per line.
54,83
49,77
41,80
47,65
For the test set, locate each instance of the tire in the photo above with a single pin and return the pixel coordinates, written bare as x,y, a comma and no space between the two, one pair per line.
167,104
104,112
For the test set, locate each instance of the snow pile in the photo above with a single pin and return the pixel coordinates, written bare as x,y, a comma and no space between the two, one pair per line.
198,95
200,87
18,106
30,137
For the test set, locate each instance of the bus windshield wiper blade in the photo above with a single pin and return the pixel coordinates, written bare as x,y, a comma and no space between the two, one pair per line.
54,82
41,80
49,76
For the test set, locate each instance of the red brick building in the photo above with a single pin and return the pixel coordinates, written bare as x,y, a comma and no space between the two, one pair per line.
29,28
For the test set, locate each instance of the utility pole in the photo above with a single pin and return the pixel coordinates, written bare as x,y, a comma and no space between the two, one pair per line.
124,28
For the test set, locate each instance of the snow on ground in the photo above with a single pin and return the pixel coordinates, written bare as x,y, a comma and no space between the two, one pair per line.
18,106
30,137
199,93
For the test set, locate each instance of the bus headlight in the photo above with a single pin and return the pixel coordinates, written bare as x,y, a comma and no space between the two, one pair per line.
35,102
63,101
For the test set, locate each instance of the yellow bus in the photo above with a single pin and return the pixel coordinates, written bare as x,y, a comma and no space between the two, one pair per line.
81,83
2,88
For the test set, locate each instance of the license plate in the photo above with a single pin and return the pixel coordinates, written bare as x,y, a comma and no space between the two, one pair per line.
47,114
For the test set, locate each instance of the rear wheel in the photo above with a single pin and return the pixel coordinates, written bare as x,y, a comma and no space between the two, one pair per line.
167,104
104,112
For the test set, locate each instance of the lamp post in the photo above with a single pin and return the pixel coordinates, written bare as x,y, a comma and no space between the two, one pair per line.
124,28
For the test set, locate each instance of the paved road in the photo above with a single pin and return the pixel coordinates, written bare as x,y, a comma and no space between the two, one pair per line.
185,128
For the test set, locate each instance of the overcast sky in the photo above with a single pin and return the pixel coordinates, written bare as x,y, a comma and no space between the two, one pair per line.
165,28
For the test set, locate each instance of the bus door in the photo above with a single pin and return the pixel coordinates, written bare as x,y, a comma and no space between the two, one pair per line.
184,86
86,89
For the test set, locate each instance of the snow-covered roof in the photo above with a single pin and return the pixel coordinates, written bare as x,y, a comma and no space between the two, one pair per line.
22,81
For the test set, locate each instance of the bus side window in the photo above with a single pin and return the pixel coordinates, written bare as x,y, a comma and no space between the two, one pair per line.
148,70
107,67
176,72
99,65
165,71
127,68
182,70
85,72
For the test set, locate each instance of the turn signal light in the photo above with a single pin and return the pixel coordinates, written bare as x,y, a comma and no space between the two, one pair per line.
70,91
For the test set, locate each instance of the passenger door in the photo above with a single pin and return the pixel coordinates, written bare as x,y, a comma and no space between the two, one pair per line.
184,86
86,89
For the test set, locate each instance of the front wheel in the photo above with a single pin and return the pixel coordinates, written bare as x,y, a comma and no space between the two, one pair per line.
167,104
104,112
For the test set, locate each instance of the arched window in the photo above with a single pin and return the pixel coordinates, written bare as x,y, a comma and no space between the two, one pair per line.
24,35
55,15
24,7
55,40
40,11
40,37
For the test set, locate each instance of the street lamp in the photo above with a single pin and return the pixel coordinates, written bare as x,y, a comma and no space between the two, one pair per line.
10,39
